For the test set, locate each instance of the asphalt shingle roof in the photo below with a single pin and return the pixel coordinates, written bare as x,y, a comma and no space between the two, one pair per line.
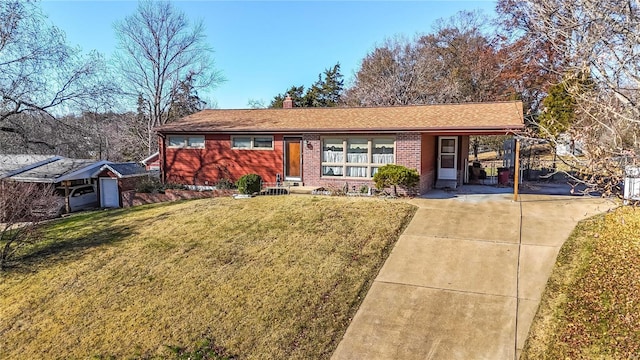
497,116
56,170
10,163
127,169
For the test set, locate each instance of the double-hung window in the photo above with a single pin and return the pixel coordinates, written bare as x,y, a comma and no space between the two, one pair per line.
186,141
356,157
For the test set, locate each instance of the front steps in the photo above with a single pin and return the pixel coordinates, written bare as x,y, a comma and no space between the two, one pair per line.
446,184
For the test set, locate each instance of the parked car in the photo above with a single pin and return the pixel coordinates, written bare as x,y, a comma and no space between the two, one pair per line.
80,197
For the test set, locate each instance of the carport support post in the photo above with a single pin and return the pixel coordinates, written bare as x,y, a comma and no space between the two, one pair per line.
516,170
67,206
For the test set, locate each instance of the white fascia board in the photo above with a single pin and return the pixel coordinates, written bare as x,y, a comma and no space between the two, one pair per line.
76,174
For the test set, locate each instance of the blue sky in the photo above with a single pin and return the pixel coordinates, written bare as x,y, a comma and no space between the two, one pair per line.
264,47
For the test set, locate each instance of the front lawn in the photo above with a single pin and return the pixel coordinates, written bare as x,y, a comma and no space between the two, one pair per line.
263,278
591,305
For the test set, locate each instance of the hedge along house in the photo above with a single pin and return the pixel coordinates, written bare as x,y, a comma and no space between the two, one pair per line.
328,147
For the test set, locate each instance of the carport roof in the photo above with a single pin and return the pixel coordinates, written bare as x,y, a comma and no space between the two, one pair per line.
59,170
11,164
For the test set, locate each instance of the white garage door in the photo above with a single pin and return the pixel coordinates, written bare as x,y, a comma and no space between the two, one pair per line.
109,196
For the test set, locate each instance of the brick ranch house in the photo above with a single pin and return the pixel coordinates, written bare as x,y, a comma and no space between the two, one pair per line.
326,147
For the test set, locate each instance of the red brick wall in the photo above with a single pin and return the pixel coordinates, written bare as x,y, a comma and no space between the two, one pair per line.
218,160
311,159
408,147
408,151
428,163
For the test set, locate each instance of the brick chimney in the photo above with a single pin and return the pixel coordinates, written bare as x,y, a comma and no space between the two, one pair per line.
287,103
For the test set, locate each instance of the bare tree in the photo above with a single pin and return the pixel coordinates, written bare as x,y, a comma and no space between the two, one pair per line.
598,39
256,104
23,206
158,50
387,76
40,73
458,62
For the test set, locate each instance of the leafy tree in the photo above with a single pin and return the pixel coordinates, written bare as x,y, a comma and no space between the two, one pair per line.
160,52
325,92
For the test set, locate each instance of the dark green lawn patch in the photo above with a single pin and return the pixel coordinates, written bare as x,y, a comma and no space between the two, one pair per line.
266,277
591,305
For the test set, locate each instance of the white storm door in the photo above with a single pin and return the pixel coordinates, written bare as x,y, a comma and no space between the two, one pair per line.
447,157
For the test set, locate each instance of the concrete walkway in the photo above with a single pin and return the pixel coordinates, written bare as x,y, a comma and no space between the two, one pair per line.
465,279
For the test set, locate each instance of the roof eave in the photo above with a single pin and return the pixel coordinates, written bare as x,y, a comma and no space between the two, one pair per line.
473,129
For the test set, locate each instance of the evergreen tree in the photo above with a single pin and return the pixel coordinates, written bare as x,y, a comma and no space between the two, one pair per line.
559,106
296,93
325,92
184,99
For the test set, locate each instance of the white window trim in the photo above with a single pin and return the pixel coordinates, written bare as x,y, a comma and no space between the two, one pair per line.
252,142
345,143
185,143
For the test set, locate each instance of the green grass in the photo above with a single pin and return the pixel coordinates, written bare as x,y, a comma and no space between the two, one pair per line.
591,305
262,278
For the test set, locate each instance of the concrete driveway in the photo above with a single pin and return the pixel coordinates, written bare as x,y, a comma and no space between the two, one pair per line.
465,278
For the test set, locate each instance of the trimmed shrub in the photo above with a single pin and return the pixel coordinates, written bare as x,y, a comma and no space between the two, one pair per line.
392,175
249,184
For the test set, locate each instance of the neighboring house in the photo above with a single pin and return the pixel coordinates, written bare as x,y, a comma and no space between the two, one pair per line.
152,163
566,145
328,147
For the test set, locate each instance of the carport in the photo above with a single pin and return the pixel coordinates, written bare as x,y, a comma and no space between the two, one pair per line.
58,171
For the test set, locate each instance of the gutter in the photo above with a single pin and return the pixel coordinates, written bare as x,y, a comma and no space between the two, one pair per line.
438,130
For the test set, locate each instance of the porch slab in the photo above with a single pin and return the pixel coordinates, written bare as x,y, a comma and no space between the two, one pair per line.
473,266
